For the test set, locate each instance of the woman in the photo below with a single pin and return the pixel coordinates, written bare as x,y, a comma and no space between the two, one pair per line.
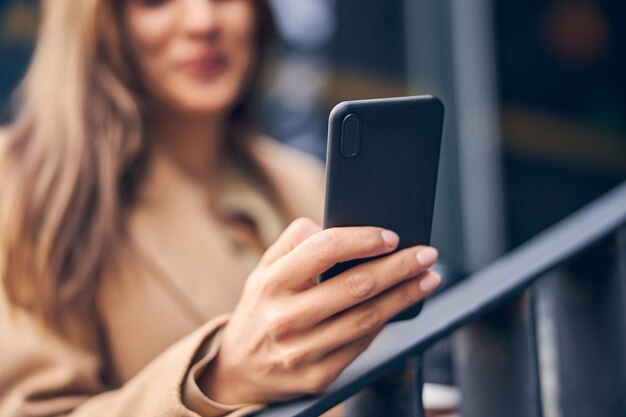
137,202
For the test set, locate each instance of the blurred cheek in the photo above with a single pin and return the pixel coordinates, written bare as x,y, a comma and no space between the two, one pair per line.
239,28
159,38
150,33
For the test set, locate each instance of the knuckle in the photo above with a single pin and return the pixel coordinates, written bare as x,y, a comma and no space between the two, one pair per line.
406,265
279,327
289,360
318,380
269,283
359,284
333,241
368,319
325,245
373,241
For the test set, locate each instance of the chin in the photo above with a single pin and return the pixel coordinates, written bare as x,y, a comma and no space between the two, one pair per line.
206,101
209,105
199,108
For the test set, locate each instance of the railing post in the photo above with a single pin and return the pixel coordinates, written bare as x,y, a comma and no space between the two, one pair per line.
399,395
496,364
588,303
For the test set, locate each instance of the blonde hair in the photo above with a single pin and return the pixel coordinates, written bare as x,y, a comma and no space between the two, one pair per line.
72,159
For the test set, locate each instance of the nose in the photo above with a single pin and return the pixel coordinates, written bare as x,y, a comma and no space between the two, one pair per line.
200,17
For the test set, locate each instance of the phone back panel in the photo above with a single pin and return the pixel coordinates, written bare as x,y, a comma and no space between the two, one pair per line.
382,163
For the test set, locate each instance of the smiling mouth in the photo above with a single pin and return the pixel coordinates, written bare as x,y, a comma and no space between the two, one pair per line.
205,67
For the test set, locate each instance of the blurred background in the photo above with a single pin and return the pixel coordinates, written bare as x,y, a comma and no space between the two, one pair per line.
535,95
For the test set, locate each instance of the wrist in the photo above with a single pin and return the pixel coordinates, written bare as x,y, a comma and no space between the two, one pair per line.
216,385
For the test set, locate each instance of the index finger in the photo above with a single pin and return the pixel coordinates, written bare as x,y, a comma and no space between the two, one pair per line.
325,249
297,231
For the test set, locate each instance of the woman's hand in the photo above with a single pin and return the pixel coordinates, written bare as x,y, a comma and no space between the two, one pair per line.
289,336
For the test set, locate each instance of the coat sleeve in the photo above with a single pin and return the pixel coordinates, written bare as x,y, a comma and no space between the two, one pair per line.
45,374
197,401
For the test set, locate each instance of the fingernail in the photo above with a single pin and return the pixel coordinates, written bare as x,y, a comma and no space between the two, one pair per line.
427,256
391,239
430,282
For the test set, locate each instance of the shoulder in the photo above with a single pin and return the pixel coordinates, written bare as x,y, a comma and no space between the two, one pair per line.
285,158
297,177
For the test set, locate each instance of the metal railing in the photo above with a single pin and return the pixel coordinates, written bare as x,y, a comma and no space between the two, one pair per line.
499,365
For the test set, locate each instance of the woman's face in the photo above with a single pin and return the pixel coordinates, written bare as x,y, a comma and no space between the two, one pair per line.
194,56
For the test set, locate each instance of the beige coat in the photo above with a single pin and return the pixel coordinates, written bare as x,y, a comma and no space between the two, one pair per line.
160,302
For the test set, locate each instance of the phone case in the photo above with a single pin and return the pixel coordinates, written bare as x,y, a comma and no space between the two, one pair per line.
381,169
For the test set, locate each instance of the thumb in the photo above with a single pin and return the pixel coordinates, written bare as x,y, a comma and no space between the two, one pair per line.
297,231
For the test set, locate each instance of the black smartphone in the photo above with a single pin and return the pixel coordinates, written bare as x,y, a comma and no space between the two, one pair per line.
381,170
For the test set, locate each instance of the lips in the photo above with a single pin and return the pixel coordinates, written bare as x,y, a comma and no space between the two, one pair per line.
205,66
